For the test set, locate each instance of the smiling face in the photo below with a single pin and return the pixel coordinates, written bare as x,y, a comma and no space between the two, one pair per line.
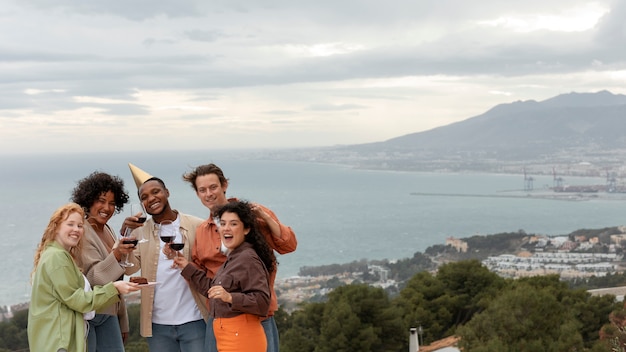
232,230
103,208
70,231
154,197
210,191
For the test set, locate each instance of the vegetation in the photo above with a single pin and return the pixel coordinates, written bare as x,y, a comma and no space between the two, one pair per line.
13,335
447,293
488,313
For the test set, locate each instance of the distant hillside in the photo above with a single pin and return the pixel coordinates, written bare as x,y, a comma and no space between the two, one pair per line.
566,129
525,129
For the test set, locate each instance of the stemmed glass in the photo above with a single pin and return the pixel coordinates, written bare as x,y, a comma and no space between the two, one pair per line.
128,239
166,231
177,243
136,208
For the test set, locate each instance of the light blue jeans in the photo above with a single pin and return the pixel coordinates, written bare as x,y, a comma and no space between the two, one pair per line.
271,335
105,334
188,337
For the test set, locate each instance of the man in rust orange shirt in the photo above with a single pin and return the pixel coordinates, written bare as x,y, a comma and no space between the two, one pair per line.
210,186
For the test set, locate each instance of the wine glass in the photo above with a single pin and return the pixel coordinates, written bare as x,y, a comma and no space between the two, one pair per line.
136,208
166,231
128,239
178,242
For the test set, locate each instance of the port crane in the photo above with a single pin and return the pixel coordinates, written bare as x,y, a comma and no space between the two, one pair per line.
528,182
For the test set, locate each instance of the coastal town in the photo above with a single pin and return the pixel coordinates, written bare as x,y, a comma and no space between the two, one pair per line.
573,256
568,256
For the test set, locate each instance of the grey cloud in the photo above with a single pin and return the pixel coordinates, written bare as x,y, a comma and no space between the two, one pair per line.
461,52
612,28
203,36
323,11
136,10
152,41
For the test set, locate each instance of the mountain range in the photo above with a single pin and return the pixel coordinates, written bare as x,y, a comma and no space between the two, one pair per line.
528,128
564,130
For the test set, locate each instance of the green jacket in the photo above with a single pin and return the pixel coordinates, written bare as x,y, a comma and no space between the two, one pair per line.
58,301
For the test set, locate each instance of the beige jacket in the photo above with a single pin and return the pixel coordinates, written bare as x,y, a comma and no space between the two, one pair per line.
146,258
101,267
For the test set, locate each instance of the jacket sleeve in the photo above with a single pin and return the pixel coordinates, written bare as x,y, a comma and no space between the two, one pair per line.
287,242
99,271
69,288
197,279
254,297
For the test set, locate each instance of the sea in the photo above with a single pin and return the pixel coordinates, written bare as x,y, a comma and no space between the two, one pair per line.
339,213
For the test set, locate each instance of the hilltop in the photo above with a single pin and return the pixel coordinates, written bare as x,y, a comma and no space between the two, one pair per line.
535,135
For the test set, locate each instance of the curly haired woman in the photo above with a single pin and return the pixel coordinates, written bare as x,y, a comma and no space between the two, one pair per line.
101,196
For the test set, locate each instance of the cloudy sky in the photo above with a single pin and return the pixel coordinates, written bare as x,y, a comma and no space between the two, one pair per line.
79,75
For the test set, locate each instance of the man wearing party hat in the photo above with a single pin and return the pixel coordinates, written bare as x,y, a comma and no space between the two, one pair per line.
172,315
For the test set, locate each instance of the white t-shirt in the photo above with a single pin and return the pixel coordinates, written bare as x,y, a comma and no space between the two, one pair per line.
92,314
173,302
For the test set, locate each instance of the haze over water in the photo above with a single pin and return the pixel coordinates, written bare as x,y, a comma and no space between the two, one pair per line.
339,214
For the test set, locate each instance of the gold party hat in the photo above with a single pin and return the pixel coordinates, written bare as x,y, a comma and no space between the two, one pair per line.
139,175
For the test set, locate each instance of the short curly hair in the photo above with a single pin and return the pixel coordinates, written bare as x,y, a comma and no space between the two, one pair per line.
89,189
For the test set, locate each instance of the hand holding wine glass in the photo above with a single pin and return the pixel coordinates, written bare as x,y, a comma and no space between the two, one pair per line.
167,234
137,210
178,242
128,238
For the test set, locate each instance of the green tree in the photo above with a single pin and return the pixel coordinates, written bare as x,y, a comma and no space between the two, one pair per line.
302,329
440,303
537,314
13,335
356,319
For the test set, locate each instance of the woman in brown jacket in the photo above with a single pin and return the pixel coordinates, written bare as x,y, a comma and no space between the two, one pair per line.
239,294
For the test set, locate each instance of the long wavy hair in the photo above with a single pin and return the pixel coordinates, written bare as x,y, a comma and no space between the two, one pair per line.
254,237
50,234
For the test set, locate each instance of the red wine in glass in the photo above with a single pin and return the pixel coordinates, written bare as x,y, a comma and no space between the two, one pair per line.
133,242
136,208
166,231
177,246
127,238
167,238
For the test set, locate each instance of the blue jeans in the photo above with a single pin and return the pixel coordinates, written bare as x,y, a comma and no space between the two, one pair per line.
105,334
271,334
188,337
210,344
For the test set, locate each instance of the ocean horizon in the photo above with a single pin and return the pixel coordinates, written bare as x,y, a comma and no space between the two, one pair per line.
339,214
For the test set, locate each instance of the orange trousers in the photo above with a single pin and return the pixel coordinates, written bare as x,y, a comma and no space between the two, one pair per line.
243,333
